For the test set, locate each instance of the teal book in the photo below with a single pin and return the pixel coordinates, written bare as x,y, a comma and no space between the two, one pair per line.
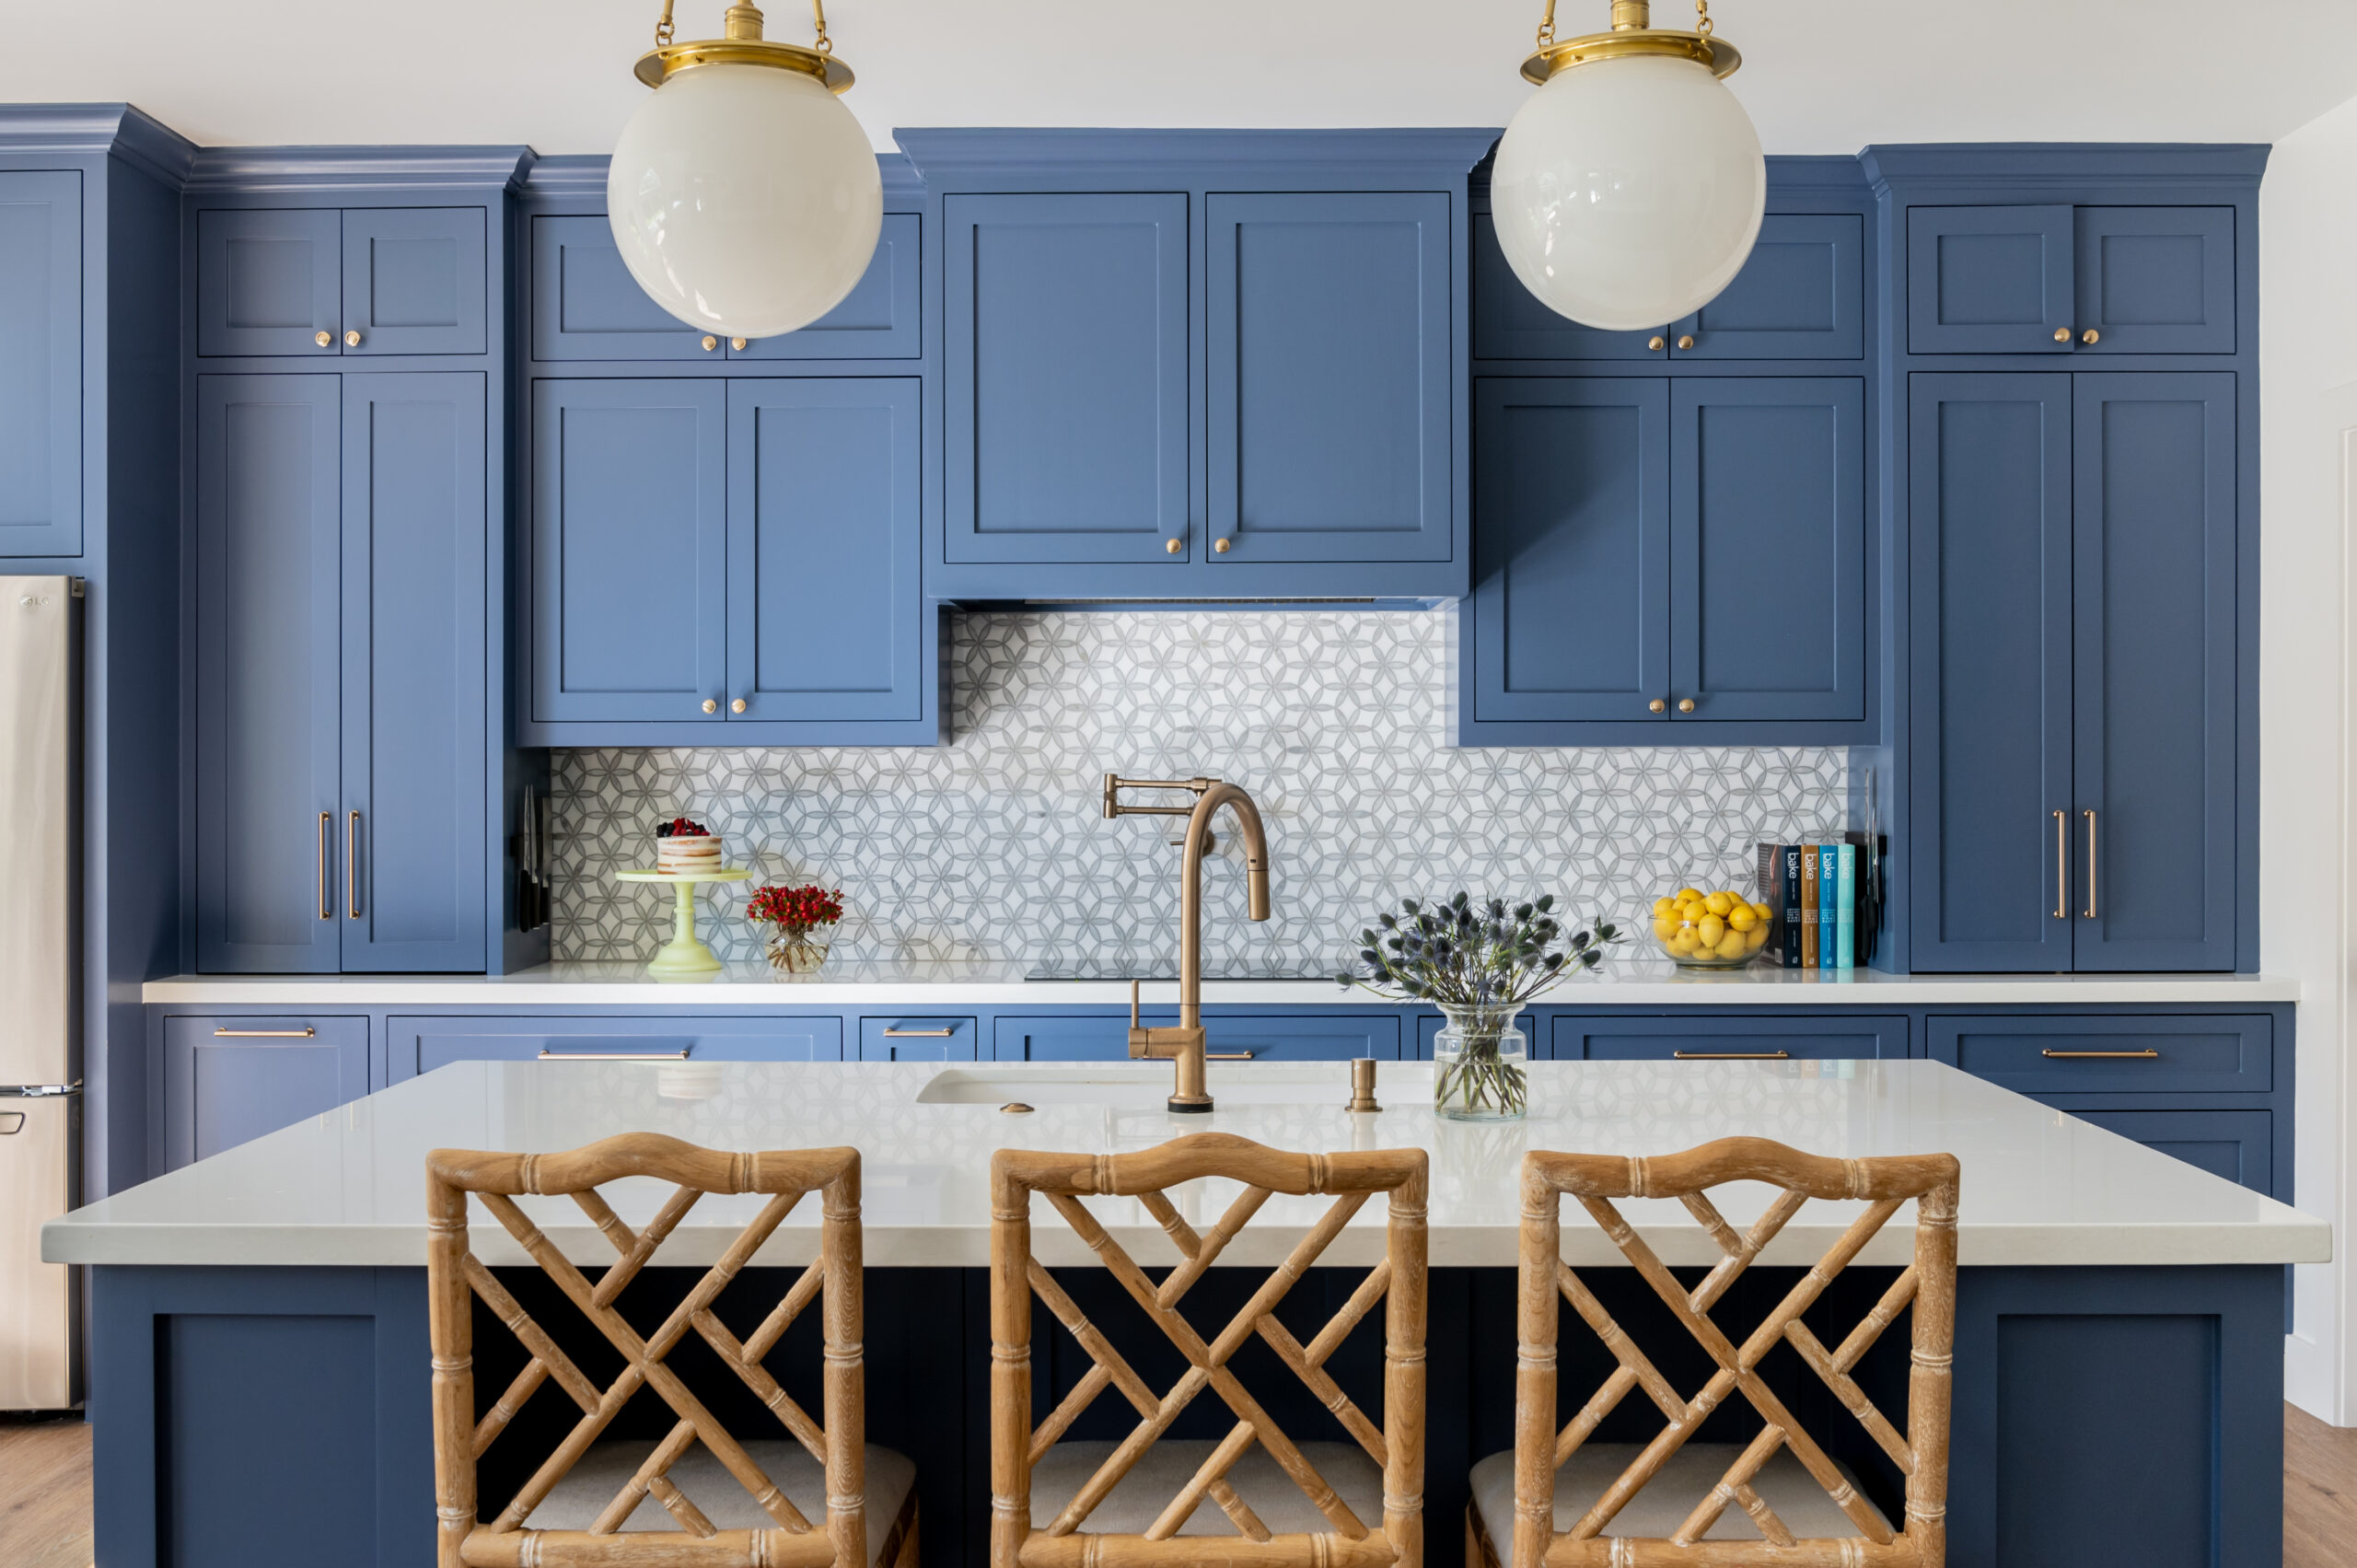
1845,910
1828,890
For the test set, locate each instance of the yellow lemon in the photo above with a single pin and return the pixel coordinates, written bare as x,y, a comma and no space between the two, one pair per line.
1663,908
1763,911
1685,941
1665,929
1710,928
1718,903
1757,934
1741,917
1688,896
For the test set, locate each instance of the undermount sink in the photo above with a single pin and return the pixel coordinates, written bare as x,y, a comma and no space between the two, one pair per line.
1143,1086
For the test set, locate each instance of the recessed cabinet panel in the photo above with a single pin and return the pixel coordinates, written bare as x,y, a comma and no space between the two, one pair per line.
1990,280
1330,373
629,550
41,363
269,281
413,280
877,320
2236,1144
230,1080
2157,280
267,646
647,1055
1571,610
1509,321
586,306
1721,1039
1066,375
1800,295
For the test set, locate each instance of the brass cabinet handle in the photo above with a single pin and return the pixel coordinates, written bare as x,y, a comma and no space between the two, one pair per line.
1731,1056
918,1034
1220,546
351,338
2061,866
709,342
1228,1056
1173,546
1686,704
1658,705
1656,343
352,865
737,344
2090,816
306,1032
2061,334
1686,340
2091,336
324,339
712,704
325,912
737,706
547,1055
2147,1054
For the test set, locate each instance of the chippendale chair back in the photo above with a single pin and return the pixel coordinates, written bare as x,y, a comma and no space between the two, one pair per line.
594,1487
1057,1504
1667,1502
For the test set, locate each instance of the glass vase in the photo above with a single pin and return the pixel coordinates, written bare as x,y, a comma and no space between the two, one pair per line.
798,950
1478,1064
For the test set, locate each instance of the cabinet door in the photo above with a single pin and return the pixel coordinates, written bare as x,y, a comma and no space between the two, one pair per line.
918,1040
825,611
227,1081
412,829
413,280
1767,548
652,1046
629,550
267,577
877,320
2236,1144
1065,369
1801,295
1509,322
1990,698
586,306
2157,280
1988,280
2154,623
1329,359
1266,1038
41,363
269,280
1570,616
1778,1037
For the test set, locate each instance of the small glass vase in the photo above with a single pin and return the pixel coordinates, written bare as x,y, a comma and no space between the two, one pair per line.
1478,1064
798,950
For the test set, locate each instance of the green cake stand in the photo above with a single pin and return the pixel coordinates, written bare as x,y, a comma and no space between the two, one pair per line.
684,955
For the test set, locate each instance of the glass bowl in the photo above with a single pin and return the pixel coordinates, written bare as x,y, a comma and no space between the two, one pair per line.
1699,930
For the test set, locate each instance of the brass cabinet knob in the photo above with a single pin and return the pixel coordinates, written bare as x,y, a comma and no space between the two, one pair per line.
1656,343
1686,704
2061,334
737,706
1658,705
1219,546
737,344
351,338
2090,336
325,340
1173,546
1686,340
712,704
709,342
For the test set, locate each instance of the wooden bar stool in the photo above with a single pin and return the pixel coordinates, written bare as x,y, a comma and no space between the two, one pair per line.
753,1501
1286,1504
1563,1503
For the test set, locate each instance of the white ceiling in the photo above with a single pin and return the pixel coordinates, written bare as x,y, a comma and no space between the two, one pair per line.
1821,75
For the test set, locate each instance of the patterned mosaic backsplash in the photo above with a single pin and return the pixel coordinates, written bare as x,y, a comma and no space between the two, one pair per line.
994,847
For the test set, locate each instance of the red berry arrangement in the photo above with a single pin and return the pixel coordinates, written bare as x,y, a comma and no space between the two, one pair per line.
681,828
796,909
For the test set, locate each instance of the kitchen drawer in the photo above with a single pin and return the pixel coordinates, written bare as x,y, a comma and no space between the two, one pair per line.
227,1080
915,1038
1268,1038
2236,1144
1802,1038
420,1045
2231,1054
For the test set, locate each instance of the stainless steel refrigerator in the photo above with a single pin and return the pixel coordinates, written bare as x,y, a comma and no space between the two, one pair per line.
41,1057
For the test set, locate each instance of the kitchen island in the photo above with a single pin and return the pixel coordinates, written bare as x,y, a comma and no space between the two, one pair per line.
259,1316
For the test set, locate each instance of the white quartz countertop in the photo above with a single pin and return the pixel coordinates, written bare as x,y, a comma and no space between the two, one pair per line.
348,1186
1634,981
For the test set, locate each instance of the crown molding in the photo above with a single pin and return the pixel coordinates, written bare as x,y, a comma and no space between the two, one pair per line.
1786,173
2061,167
295,169
97,130
958,155
575,175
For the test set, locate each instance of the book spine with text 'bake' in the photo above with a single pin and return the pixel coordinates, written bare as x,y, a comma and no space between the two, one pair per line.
1828,906
1809,877
1845,910
1788,904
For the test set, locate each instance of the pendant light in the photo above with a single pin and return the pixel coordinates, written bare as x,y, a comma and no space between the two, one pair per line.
743,195
1629,189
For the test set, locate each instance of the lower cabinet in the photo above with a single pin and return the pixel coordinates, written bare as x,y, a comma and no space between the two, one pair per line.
420,1045
2236,1144
1711,1038
229,1080
2075,1053
1267,1038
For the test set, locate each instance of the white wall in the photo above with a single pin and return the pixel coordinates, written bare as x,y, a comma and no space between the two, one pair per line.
2308,349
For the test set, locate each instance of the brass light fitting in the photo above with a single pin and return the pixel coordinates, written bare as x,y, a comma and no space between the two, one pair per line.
743,45
1633,33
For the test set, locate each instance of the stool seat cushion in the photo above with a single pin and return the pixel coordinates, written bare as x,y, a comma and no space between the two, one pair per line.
1662,1505
1166,1466
575,1502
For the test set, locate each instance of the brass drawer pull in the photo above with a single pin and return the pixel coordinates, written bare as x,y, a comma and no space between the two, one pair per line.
2061,866
547,1055
2146,1054
2090,816
306,1032
918,1034
1228,1056
325,912
1731,1056
352,865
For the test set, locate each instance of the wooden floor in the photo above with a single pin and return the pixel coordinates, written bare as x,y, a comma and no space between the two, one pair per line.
45,1493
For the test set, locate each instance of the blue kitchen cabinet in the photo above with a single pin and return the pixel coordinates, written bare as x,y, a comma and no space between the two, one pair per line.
1510,322
826,613
368,279
229,1080
1064,371
1777,1037
586,304
2236,1144
1329,367
414,684
904,1038
415,1045
2113,1055
629,551
2055,278
268,573
40,362
1276,1037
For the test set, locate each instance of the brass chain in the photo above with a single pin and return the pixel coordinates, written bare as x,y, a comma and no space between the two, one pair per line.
1703,18
663,27
1547,25
825,44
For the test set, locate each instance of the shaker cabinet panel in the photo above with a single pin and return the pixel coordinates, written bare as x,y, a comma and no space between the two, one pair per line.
1990,280
1328,361
877,320
629,551
413,280
414,685
1800,295
586,306
40,362
2236,1144
2157,280
825,611
1064,368
1510,322
267,566
228,1080
269,281
1570,615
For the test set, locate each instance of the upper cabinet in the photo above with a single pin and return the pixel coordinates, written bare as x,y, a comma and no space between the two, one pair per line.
315,281
2071,280
586,306
40,362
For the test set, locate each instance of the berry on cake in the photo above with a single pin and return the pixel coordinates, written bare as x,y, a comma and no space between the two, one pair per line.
685,847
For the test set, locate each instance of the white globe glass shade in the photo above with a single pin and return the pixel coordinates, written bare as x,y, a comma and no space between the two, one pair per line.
1627,191
745,199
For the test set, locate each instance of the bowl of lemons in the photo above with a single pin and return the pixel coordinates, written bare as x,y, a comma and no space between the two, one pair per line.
1710,931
